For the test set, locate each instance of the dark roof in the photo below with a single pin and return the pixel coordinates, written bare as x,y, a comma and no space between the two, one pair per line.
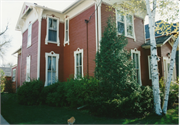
160,33
7,70
159,40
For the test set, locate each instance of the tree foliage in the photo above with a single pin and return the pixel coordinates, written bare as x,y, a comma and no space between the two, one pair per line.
113,65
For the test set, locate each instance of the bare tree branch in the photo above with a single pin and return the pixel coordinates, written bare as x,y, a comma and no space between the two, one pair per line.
4,31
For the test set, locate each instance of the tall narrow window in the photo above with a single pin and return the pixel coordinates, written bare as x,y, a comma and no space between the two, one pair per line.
149,66
129,25
66,37
52,35
28,61
78,63
120,23
51,69
52,61
166,63
29,35
135,55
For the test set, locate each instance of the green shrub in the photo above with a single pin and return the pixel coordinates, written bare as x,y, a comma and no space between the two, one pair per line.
9,86
134,100
57,98
46,90
78,92
29,92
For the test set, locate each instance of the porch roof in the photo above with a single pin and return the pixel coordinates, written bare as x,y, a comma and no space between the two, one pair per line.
160,40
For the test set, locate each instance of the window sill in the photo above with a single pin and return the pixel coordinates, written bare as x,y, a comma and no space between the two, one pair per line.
58,44
66,42
127,36
29,46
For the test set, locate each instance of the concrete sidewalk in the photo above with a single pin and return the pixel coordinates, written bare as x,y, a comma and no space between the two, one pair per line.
3,121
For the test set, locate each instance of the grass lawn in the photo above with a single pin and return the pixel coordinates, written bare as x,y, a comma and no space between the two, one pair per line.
19,114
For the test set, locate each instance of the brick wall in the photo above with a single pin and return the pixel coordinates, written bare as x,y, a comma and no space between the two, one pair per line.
32,51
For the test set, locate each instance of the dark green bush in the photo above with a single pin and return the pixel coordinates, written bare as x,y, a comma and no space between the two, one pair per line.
9,86
57,98
134,100
29,92
47,90
79,92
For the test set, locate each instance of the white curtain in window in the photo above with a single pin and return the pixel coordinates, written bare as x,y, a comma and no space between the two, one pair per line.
49,70
53,69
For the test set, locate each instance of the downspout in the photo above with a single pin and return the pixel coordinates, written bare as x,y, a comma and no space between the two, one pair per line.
97,47
87,21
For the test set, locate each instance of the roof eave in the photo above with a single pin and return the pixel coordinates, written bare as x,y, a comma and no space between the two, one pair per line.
72,6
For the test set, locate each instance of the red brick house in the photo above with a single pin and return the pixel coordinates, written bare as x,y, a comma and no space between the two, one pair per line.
57,45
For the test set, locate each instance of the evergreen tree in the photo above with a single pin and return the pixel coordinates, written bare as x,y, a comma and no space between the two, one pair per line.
114,68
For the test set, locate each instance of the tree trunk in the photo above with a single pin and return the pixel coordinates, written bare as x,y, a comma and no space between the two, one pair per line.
154,66
173,55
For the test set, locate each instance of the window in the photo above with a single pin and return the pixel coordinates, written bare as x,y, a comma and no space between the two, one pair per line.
149,66
66,37
78,63
52,35
166,63
14,75
125,24
29,35
135,55
52,60
28,63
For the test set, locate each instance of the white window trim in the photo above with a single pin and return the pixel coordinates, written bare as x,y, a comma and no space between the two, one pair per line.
125,27
165,65
28,79
57,64
14,77
149,66
47,31
77,52
139,54
66,42
29,26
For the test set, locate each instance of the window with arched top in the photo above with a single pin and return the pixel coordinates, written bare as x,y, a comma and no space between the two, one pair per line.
135,56
52,63
78,63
